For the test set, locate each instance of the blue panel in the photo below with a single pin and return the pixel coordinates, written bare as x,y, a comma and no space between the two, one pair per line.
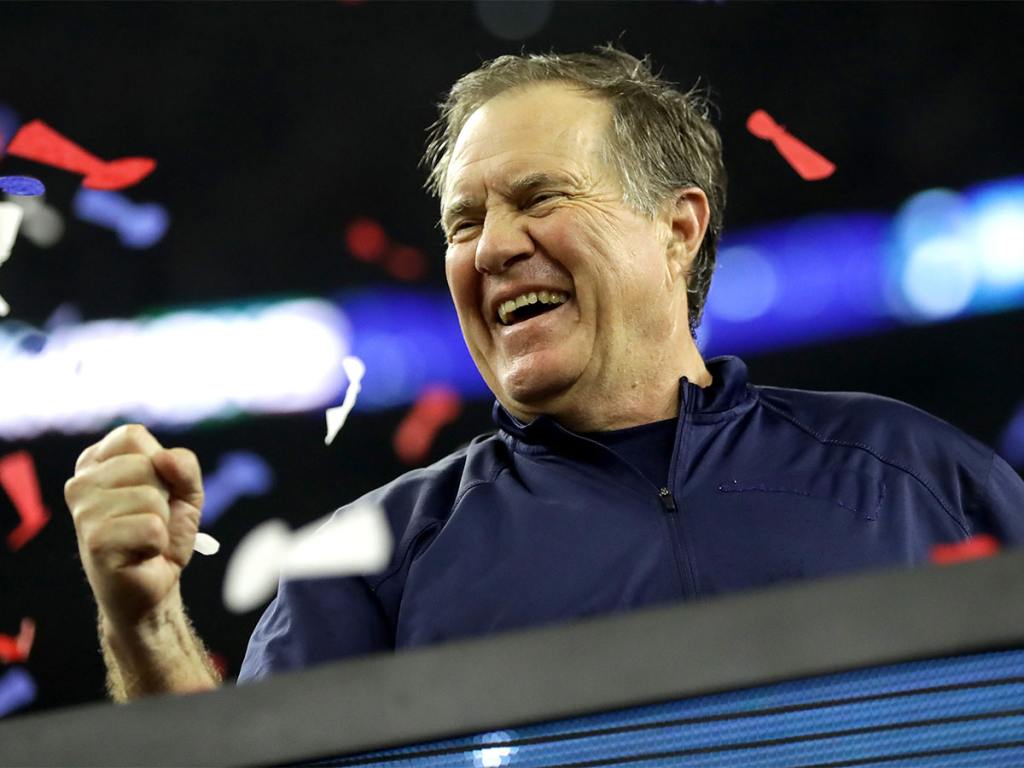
962,711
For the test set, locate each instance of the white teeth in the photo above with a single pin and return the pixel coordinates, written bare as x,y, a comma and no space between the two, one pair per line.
532,297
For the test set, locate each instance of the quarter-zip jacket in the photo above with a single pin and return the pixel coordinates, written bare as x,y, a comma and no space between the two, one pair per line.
534,524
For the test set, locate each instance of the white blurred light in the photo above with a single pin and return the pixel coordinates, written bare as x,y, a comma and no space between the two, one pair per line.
495,757
930,214
939,278
744,286
175,369
999,234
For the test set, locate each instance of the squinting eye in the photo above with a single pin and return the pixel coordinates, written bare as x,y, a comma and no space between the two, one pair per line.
543,197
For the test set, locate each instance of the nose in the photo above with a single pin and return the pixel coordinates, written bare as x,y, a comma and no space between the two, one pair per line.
502,242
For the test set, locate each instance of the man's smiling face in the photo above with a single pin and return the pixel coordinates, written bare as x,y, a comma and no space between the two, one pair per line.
532,214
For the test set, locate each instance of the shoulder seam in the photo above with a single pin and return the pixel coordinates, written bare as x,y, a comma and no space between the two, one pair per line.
429,527
868,449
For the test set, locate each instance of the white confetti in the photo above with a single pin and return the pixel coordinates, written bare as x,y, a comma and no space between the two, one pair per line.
10,219
354,370
205,544
358,541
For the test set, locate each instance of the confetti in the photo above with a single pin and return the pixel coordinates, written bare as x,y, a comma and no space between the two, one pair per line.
367,241
42,224
357,541
18,478
15,650
354,371
24,186
11,215
17,690
10,220
436,406
205,544
138,225
805,161
239,473
39,142
973,548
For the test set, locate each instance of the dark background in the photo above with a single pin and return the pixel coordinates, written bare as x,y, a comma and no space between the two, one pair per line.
274,124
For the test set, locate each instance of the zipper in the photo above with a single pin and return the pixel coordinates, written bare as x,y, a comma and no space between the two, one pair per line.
666,499
684,566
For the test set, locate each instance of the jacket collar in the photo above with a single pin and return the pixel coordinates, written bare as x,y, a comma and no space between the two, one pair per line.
728,394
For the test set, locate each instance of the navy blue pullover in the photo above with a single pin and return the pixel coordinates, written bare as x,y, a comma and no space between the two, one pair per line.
535,524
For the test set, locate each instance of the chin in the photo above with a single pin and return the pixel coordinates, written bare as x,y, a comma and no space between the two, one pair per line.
534,389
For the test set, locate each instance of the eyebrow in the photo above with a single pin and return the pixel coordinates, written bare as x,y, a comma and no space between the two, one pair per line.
518,187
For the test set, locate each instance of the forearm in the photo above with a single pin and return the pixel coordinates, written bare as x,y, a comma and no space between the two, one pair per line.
163,655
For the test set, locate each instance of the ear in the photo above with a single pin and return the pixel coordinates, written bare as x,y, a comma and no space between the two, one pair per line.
688,216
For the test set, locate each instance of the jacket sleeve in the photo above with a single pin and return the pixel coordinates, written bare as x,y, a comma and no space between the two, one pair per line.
314,621
998,506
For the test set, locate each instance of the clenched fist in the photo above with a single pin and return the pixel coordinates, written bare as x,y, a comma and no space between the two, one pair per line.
136,508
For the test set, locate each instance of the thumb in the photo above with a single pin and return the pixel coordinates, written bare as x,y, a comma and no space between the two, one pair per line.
179,469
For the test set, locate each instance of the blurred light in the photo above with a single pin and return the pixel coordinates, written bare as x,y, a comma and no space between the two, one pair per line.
239,473
366,239
138,225
809,280
17,690
744,285
513,19
407,263
939,277
408,339
929,215
175,369
495,757
999,233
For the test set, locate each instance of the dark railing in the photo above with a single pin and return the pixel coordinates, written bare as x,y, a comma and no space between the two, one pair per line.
760,678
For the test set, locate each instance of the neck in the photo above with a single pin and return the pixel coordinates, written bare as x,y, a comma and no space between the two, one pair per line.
636,401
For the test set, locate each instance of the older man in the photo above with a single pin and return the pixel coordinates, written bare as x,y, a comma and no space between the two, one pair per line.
582,199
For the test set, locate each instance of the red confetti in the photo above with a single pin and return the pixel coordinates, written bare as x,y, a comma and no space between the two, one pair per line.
437,405
406,263
39,142
220,664
805,161
366,239
15,650
18,478
973,548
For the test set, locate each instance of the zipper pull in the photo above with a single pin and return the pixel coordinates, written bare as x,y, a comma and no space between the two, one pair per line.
666,499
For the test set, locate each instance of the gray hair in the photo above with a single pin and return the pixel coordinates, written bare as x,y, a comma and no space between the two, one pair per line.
661,138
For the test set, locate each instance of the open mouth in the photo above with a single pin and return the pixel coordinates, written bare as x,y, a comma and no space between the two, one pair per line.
529,305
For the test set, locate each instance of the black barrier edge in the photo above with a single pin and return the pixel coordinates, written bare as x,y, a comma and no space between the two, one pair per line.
540,674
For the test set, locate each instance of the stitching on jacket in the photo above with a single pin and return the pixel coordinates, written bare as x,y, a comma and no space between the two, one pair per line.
796,491
868,449
405,554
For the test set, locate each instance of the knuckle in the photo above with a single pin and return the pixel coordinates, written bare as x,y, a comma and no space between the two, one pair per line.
152,529
150,499
133,434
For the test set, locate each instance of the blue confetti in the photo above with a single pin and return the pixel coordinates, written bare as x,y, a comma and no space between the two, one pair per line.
21,185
